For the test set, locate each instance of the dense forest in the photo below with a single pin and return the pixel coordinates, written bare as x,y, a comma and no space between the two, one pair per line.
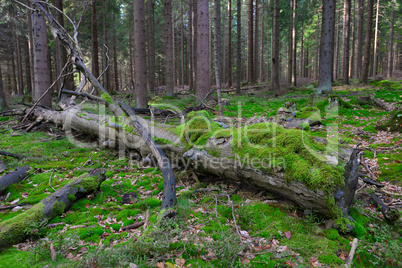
256,133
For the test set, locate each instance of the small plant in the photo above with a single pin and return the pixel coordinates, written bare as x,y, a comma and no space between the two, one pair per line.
36,230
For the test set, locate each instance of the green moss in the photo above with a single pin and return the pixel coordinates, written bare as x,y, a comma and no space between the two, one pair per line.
298,154
71,197
305,126
394,123
12,230
106,97
58,207
359,231
116,226
313,113
153,202
162,141
333,234
330,259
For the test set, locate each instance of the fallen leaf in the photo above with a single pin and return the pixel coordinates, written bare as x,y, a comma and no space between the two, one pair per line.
245,261
83,249
180,262
160,265
342,256
70,256
288,234
290,264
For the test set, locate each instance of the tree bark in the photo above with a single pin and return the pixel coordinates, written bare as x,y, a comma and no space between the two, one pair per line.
250,43
115,58
367,43
218,52
95,50
256,42
391,42
30,49
375,39
261,75
290,44
325,69
359,44
230,53
169,47
345,44
203,67
352,58
12,230
294,44
41,59
3,103
141,94
20,76
13,177
61,53
190,47
238,48
275,51
151,45
106,60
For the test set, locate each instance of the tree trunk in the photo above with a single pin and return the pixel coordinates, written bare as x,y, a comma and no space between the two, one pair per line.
14,73
359,44
115,57
95,53
19,65
131,82
13,177
238,48
346,40
31,50
182,44
317,50
294,44
203,67
225,166
3,103
367,43
41,59
335,52
391,42
275,51
169,47
352,58
324,81
256,42
230,53
261,75
195,42
250,43
218,53
290,44
375,39
61,53
190,47
334,42
141,94
12,231
106,60
151,45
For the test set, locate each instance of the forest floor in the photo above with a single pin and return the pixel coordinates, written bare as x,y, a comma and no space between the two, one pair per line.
272,232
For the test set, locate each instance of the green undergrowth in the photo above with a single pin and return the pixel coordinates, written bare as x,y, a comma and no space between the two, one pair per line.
198,231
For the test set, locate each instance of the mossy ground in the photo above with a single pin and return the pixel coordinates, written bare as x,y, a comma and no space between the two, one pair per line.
199,234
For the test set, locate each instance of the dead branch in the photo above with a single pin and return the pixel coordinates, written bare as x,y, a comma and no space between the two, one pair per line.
12,155
13,177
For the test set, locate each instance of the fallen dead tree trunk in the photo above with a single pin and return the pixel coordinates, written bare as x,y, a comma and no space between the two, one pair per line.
13,177
225,163
389,214
12,231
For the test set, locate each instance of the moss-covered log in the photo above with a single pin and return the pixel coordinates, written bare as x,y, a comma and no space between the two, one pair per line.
13,177
12,231
313,172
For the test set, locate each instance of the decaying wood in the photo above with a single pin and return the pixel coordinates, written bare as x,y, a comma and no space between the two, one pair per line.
203,163
13,177
377,184
389,213
351,253
133,226
12,112
12,230
169,182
